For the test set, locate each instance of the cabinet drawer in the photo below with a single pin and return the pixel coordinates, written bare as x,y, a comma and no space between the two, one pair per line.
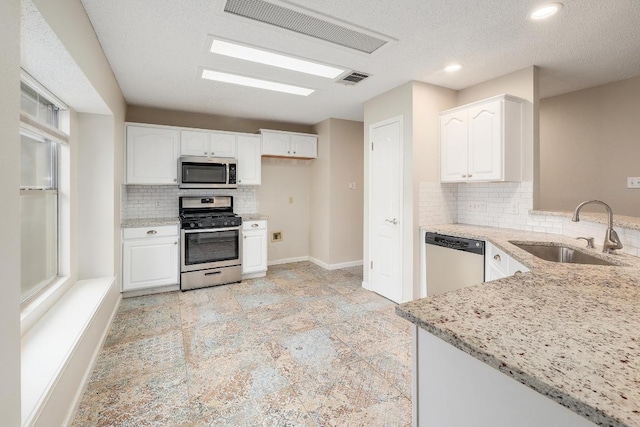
254,225
498,259
149,232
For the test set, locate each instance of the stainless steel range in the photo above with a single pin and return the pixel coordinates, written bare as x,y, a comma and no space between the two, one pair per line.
211,247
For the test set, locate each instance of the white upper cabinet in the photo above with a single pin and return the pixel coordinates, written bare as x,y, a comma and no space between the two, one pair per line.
210,144
249,160
482,141
288,144
152,155
223,145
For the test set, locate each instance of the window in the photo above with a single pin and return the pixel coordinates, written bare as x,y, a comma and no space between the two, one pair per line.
39,199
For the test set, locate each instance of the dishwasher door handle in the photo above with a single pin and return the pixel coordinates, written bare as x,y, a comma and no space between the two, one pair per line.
392,221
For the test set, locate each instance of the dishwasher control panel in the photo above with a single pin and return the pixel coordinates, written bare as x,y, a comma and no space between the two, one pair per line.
459,243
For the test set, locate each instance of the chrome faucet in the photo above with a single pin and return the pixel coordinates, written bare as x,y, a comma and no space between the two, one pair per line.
611,239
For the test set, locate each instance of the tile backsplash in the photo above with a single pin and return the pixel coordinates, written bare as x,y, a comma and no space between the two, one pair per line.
506,205
161,201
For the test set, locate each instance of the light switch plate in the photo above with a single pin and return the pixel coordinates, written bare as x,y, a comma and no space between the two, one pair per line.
633,182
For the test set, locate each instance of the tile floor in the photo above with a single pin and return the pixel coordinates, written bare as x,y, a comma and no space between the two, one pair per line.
303,346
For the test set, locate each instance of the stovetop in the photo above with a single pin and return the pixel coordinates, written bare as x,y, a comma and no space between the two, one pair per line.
202,220
208,212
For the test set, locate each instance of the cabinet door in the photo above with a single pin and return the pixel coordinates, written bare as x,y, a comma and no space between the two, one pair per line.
150,262
276,144
152,155
453,147
249,160
304,146
194,143
254,251
223,145
485,142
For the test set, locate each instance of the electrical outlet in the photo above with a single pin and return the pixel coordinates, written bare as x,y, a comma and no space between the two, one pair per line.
157,204
513,208
276,236
633,182
477,206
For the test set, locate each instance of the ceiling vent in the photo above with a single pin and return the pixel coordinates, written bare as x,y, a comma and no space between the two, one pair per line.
302,23
353,78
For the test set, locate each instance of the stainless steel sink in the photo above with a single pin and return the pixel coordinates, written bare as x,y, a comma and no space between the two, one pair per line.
561,254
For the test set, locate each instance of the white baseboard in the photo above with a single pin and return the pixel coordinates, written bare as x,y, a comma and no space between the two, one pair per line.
335,266
288,260
150,291
254,275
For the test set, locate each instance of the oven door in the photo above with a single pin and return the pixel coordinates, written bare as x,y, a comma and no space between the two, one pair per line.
210,248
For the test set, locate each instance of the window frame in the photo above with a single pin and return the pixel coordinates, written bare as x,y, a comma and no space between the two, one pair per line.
33,127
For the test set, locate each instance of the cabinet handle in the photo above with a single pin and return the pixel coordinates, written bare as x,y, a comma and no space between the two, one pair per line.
205,153
239,181
175,243
288,152
464,176
244,237
469,176
175,179
152,232
517,272
254,225
212,153
497,257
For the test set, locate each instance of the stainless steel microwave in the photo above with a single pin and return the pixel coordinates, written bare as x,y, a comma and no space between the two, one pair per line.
207,172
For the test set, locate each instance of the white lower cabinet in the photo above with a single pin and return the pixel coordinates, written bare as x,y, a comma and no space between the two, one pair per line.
150,257
254,248
498,264
453,388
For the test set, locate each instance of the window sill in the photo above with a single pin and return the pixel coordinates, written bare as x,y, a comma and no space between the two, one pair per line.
59,349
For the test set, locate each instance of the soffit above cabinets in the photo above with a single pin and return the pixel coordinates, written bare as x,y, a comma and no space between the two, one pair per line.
156,51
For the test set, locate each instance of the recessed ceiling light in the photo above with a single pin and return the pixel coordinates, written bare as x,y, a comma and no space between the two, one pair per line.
274,59
453,68
257,83
545,11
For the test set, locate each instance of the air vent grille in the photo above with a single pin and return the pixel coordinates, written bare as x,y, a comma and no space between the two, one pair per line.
299,22
353,78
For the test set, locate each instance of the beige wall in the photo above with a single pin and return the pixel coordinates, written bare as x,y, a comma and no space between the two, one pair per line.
140,114
320,202
336,211
346,214
284,197
589,145
10,213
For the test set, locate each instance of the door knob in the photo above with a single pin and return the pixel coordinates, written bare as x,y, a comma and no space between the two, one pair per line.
392,221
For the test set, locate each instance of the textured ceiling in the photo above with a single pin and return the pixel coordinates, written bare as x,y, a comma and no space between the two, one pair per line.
47,60
157,47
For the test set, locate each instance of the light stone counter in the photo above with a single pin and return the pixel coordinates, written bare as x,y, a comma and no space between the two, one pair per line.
148,222
254,217
570,332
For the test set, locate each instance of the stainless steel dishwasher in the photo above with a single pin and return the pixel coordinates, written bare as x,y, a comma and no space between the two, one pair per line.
452,263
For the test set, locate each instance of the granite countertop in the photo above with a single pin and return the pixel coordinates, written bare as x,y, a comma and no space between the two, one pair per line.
148,222
568,331
254,217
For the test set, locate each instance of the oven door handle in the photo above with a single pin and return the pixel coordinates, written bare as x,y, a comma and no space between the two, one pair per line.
211,230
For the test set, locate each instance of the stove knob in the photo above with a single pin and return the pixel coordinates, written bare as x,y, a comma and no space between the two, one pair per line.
200,225
226,223
192,224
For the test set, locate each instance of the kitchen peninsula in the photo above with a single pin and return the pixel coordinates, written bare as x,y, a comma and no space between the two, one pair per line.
566,333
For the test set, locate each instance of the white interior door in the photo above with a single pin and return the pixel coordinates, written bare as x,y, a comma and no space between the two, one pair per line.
385,224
